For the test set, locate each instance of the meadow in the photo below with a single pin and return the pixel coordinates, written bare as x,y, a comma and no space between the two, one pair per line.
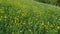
28,17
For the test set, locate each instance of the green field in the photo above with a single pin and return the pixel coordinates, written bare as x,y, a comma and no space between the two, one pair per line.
28,17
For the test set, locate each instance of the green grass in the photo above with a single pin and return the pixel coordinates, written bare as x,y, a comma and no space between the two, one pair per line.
28,17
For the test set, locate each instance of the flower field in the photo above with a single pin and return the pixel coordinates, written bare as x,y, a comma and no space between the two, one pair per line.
28,17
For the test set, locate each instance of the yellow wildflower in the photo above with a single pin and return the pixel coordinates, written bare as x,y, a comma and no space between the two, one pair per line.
12,32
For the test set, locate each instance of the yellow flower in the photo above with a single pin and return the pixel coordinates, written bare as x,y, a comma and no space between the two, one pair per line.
12,32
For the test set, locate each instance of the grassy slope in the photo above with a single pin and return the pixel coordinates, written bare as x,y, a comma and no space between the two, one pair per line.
28,17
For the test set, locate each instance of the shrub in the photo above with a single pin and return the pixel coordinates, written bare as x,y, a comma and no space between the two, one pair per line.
53,2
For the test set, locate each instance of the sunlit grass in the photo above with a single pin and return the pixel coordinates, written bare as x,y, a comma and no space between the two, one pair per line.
28,17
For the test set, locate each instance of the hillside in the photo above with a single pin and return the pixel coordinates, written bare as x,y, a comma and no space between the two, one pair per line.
28,17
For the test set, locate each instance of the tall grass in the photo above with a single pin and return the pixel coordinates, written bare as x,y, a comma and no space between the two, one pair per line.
28,17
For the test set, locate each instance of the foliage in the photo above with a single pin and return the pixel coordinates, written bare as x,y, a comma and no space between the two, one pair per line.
53,2
28,17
